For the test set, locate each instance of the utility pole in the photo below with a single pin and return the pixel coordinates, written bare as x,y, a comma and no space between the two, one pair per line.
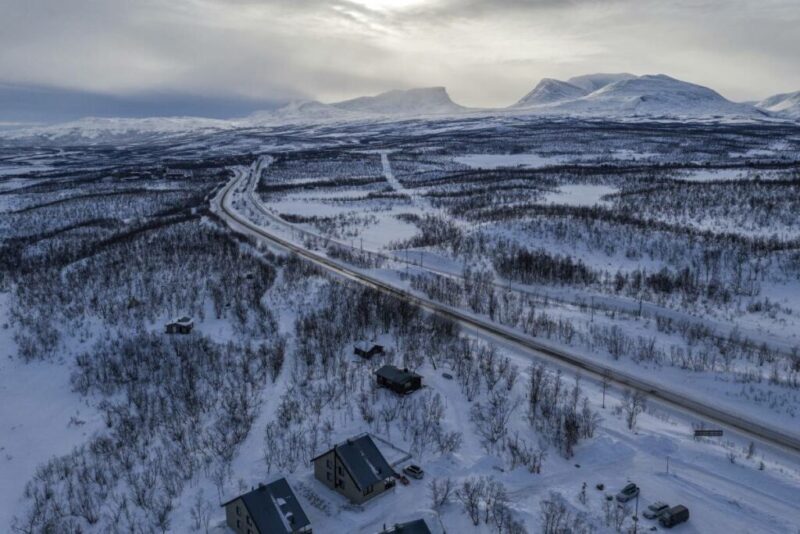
636,516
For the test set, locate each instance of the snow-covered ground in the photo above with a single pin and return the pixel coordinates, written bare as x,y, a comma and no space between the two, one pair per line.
494,161
726,487
579,195
40,416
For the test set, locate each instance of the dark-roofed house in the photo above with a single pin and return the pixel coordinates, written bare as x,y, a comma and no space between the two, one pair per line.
181,325
362,350
418,526
398,380
356,469
269,509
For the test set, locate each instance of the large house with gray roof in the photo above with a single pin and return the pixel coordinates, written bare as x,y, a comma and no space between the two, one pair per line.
268,509
356,469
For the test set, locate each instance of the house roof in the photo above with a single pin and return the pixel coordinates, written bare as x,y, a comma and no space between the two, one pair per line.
393,374
274,508
418,526
363,460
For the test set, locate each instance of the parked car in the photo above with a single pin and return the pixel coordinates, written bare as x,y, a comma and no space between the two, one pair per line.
673,516
414,471
655,510
630,491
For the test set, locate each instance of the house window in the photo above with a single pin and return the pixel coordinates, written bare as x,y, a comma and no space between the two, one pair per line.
341,483
248,520
328,463
238,510
238,524
339,469
328,476
369,490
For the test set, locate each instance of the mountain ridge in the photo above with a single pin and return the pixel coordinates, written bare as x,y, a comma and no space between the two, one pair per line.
785,104
615,96
421,101
548,91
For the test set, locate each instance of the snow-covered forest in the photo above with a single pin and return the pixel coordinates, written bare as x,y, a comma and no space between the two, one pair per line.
666,252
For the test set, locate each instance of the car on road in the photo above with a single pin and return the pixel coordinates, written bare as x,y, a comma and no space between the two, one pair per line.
655,510
673,516
414,471
630,491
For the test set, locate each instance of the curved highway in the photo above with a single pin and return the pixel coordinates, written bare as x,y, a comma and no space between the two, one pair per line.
695,407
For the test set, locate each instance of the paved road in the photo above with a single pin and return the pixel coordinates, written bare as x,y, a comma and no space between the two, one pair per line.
529,345
567,297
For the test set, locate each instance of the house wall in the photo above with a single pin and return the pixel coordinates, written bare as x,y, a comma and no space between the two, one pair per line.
240,522
414,384
330,475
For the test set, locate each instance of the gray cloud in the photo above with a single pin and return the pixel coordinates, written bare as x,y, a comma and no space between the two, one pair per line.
487,52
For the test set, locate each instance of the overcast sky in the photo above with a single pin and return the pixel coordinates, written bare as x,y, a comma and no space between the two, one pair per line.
486,52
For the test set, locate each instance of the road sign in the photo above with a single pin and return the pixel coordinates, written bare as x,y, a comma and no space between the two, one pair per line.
705,433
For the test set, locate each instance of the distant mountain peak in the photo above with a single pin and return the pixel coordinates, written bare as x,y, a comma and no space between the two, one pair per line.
417,101
785,104
592,82
548,91
625,95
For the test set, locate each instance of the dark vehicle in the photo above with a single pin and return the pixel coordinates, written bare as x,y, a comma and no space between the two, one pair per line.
673,516
414,471
631,491
655,510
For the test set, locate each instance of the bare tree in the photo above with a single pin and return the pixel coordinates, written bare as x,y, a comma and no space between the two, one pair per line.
491,418
633,405
470,494
555,517
441,490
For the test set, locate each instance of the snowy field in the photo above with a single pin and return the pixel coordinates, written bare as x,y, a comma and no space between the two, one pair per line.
495,161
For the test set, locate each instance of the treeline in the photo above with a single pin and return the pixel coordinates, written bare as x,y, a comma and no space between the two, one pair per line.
700,348
174,408
538,266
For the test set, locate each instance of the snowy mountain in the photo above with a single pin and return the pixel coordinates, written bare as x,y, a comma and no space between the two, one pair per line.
98,128
592,82
298,111
422,101
786,104
594,95
549,91
651,96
